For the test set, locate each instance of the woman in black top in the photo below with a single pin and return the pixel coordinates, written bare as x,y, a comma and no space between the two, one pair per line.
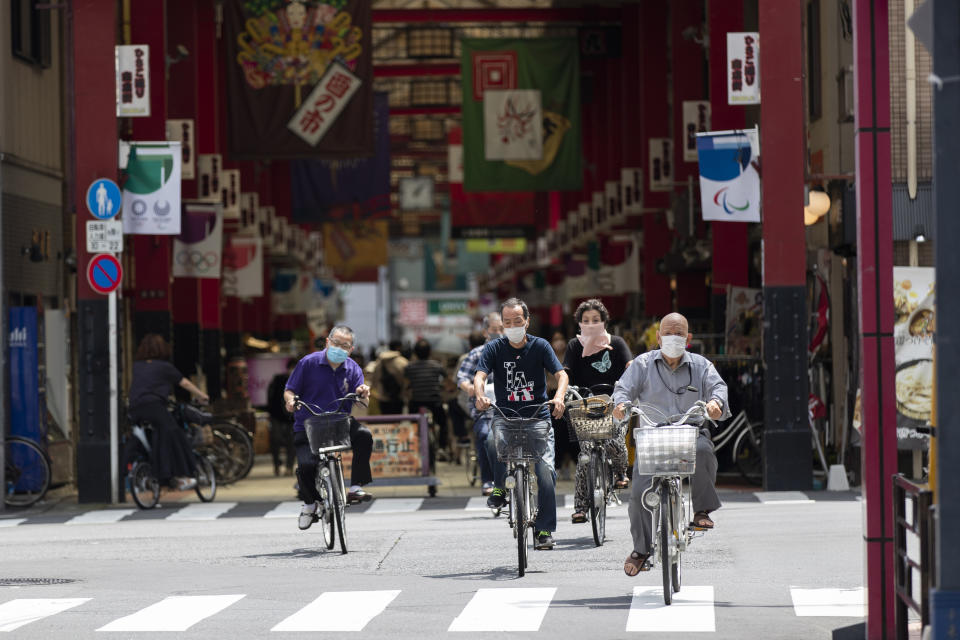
153,381
595,357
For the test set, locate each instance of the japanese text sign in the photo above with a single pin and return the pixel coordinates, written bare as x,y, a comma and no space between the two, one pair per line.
133,80
743,68
320,110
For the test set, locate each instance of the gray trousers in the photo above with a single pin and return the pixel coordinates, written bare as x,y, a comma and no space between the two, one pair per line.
705,496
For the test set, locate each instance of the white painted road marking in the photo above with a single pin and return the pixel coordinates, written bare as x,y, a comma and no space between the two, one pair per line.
285,510
477,503
101,516
782,497
339,611
202,511
16,613
395,505
176,613
692,610
504,610
828,602
11,522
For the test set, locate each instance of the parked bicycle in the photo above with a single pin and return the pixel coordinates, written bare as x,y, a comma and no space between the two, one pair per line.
520,443
593,425
142,482
26,472
666,448
226,444
329,434
745,438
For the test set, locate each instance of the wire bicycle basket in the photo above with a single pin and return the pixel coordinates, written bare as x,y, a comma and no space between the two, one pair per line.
328,432
666,450
521,438
592,419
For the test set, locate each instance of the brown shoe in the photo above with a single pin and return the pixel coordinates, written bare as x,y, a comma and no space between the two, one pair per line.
701,521
635,563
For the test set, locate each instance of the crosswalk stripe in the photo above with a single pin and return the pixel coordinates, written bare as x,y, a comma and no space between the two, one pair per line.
477,503
568,501
101,516
782,497
11,522
16,613
692,610
176,613
828,602
284,510
514,609
339,611
202,511
395,505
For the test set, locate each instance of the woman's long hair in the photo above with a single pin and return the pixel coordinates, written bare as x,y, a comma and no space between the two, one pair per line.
153,347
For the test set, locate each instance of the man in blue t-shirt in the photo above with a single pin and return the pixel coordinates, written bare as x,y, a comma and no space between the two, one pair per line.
517,362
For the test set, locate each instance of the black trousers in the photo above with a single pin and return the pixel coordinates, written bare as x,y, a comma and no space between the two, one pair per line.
361,441
171,455
281,439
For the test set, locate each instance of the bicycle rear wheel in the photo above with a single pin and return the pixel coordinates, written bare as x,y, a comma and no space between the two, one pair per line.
27,472
144,486
665,535
520,523
325,489
240,448
597,480
748,455
340,503
206,478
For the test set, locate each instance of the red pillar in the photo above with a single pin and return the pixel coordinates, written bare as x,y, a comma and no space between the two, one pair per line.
94,150
152,256
654,123
730,249
875,284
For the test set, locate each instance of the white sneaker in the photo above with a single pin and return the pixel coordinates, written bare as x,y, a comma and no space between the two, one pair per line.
186,484
307,517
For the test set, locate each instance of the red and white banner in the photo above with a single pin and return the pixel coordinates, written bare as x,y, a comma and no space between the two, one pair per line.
743,68
320,110
243,268
512,125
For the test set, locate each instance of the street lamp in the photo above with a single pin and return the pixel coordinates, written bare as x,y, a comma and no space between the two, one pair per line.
817,207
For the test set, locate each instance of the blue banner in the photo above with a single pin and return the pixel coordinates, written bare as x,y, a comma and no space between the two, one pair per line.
24,372
349,189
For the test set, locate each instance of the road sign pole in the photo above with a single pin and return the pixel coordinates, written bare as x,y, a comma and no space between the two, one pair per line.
114,392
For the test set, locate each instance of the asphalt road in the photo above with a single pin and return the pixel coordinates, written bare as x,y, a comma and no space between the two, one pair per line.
781,569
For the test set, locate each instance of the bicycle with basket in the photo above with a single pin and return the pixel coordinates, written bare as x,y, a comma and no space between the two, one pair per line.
592,422
666,449
328,433
520,443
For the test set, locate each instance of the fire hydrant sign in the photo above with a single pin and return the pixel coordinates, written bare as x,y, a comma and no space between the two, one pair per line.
104,236
320,110
133,80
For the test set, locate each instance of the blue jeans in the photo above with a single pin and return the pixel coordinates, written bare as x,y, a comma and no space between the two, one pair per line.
481,432
546,481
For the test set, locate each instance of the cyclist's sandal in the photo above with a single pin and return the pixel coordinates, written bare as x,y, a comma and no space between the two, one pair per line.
701,520
635,563
622,483
578,517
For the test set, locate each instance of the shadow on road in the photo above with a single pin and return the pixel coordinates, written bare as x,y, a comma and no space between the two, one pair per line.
497,574
611,602
296,553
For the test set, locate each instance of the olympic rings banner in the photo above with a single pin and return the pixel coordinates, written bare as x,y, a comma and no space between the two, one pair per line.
198,251
729,180
151,193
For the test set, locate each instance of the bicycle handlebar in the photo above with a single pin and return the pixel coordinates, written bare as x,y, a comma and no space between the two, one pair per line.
538,407
697,410
300,403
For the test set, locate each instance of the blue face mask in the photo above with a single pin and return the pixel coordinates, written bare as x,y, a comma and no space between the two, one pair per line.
336,355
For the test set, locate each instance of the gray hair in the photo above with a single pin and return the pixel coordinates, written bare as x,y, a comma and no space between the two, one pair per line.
343,330
489,318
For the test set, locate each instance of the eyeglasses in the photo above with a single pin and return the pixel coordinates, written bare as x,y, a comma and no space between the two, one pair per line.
345,347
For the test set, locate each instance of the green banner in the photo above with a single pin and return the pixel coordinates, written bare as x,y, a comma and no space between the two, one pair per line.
447,307
521,114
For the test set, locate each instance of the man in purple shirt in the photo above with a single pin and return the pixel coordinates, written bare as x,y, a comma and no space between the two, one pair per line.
321,378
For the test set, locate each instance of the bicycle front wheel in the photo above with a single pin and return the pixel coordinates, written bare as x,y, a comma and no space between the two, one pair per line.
520,522
665,535
325,489
27,472
679,535
340,503
143,485
206,478
597,478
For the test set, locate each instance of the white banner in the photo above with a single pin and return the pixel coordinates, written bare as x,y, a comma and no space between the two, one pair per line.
598,212
512,124
743,68
243,268
182,131
729,181
320,110
249,203
455,163
631,187
612,192
151,194
197,250
230,194
696,119
291,291
913,339
605,281
132,64
265,223
209,166
661,164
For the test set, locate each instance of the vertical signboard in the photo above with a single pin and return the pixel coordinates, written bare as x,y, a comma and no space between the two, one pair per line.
182,131
696,119
661,164
743,68
133,80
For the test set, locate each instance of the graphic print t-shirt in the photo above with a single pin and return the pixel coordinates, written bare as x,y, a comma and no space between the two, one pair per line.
604,367
518,374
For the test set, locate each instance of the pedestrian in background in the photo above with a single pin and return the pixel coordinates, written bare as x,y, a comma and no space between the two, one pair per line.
424,385
281,421
387,380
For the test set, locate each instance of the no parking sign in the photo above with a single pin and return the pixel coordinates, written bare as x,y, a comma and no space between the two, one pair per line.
104,273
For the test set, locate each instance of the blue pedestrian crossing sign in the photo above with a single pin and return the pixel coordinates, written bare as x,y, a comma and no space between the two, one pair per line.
104,199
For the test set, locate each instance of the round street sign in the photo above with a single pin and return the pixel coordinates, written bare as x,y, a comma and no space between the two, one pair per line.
104,273
104,198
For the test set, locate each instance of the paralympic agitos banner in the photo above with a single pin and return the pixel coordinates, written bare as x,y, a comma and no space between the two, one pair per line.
299,78
521,114
729,180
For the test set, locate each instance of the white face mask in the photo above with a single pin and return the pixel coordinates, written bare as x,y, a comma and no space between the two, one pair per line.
673,346
515,334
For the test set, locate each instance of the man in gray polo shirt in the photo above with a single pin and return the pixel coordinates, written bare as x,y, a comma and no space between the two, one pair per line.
672,379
